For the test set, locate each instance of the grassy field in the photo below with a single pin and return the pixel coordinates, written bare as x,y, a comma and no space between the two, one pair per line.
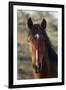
24,65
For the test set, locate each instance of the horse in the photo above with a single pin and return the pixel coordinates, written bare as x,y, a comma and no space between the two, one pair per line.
44,58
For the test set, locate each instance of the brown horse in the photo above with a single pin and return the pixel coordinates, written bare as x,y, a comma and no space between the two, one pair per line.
44,58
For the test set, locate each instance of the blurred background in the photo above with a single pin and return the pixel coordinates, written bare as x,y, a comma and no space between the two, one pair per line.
24,65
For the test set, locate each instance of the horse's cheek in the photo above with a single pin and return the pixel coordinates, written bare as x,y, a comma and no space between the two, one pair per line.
32,52
30,48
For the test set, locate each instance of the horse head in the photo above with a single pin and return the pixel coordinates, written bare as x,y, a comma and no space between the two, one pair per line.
36,43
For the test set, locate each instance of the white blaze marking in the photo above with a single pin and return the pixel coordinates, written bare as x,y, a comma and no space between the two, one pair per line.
37,36
37,58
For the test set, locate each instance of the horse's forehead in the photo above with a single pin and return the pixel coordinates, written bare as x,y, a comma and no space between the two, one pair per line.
37,29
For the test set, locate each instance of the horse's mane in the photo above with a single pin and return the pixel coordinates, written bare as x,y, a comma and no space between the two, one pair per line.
51,53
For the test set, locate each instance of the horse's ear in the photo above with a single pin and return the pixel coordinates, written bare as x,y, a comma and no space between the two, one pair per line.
30,23
43,24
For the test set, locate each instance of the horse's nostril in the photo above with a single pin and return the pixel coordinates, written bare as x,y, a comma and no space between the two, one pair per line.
37,68
40,66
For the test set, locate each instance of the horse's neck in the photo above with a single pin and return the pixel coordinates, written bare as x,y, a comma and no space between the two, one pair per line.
46,66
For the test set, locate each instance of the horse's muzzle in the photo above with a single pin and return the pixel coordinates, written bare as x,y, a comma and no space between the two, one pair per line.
37,68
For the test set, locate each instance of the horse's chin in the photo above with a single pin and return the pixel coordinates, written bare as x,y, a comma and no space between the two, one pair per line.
37,71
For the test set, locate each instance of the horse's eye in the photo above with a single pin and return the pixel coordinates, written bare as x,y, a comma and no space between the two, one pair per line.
30,39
